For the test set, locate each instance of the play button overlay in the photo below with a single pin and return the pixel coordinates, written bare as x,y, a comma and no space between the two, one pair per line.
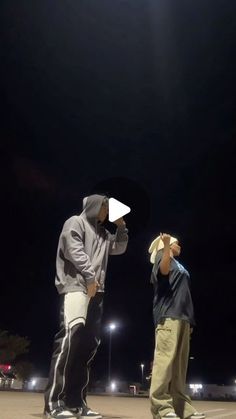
117,210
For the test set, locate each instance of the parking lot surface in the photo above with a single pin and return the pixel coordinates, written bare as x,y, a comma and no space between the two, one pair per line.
26,405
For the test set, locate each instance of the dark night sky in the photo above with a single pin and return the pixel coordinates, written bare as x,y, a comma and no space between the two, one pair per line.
134,98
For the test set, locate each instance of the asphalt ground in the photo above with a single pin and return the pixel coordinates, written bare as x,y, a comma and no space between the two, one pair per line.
26,405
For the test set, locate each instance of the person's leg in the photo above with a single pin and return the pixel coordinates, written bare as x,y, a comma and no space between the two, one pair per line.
59,355
167,335
182,402
85,353
73,315
93,332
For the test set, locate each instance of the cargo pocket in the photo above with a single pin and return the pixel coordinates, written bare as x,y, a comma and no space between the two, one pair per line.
163,337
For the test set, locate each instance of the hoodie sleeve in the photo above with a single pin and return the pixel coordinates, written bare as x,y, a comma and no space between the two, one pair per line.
118,241
74,252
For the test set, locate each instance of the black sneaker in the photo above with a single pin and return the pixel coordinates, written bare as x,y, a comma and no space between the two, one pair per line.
77,411
89,413
60,413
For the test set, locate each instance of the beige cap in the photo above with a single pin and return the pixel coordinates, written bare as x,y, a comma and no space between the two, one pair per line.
157,245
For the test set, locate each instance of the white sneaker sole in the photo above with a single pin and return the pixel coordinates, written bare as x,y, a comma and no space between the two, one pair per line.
49,416
91,417
198,417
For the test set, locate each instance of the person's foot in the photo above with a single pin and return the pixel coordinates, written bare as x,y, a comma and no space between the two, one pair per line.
170,415
89,413
60,413
197,415
77,411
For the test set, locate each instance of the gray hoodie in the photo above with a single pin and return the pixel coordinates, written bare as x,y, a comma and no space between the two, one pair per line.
83,248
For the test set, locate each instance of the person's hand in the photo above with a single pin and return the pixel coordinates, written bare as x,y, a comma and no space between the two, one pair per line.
92,289
119,222
165,238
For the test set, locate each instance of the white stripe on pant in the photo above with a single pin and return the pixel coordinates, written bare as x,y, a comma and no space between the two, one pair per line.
75,346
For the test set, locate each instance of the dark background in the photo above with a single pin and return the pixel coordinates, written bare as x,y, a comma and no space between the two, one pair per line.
136,99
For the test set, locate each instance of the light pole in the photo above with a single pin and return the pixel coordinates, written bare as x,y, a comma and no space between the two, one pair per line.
111,328
142,367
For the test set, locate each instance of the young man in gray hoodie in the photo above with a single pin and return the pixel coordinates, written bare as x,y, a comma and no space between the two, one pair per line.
82,256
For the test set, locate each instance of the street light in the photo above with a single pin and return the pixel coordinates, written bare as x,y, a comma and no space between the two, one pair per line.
111,327
142,367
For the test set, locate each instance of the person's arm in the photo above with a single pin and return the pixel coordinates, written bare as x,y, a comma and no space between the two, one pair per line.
119,240
166,257
75,253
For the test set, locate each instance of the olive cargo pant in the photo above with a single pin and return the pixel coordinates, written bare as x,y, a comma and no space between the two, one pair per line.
167,392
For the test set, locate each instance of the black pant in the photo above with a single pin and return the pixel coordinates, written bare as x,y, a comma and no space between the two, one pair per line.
73,352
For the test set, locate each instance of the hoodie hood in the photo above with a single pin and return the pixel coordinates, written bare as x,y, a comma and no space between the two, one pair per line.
91,207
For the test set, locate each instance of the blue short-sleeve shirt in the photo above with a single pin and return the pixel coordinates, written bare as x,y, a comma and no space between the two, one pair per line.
172,296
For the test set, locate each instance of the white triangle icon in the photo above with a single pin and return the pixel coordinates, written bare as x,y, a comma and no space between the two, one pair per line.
117,209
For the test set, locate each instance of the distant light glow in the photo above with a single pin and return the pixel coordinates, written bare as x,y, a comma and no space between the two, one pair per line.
112,326
5,367
196,387
113,386
33,382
